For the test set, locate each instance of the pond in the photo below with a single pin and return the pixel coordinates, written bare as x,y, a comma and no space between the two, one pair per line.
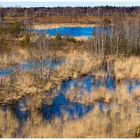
84,32
62,106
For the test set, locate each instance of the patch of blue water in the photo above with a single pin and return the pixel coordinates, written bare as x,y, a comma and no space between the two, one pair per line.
40,32
137,83
70,31
132,86
53,64
104,107
98,84
110,83
20,111
61,106
46,63
101,106
82,84
25,67
6,72
87,84
65,87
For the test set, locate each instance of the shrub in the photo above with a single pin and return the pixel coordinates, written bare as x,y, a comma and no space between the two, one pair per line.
58,37
16,28
3,46
70,39
26,41
106,22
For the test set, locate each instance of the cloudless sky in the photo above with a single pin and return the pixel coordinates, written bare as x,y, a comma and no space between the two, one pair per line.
53,3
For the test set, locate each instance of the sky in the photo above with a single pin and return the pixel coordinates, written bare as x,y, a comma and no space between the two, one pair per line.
64,3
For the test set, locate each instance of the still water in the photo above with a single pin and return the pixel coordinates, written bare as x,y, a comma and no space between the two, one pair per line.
84,32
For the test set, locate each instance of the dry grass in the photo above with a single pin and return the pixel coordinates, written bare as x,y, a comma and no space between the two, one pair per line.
127,68
8,124
16,57
50,26
77,64
118,121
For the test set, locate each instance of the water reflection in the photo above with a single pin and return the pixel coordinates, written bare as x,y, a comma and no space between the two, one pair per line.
85,32
132,85
61,106
20,110
30,66
88,84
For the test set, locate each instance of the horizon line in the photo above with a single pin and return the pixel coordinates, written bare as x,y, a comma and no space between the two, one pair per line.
16,6
68,4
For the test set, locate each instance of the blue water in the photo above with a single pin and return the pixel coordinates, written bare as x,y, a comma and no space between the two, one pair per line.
87,84
6,72
61,106
110,83
70,31
18,110
132,85
83,83
29,66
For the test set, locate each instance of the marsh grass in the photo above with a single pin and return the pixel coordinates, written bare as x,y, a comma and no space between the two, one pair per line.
118,118
76,64
8,124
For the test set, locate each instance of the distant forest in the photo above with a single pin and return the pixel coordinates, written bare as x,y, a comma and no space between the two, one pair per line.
67,11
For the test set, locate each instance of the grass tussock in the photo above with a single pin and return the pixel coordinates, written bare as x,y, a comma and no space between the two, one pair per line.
127,68
118,122
117,118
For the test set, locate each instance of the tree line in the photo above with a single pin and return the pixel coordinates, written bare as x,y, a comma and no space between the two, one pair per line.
67,11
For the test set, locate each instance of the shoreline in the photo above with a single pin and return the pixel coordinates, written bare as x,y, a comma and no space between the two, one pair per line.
58,25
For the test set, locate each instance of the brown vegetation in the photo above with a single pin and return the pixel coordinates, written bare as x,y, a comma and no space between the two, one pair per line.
114,53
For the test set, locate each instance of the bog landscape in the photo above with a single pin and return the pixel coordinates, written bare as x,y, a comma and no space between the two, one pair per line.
70,72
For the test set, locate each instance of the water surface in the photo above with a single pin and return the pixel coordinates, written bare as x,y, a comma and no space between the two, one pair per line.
30,66
84,32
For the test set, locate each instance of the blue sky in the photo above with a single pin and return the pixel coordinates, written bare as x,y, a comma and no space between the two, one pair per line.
66,3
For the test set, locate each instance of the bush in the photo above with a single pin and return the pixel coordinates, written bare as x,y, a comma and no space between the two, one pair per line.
16,28
106,22
58,37
26,41
70,39
3,46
